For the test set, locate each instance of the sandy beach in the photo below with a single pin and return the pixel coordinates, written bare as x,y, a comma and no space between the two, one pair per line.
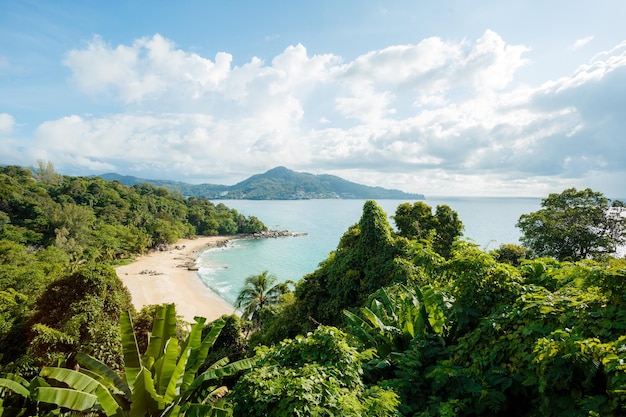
165,277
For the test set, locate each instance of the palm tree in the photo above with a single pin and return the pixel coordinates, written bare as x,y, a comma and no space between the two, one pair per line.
259,291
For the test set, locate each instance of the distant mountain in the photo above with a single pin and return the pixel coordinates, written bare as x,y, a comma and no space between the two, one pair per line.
277,184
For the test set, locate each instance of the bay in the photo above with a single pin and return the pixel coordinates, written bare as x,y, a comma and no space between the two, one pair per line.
488,221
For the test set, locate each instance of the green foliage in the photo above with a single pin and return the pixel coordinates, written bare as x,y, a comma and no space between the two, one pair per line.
162,381
18,397
258,292
317,375
366,259
80,312
573,225
56,235
551,346
104,220
396,315
478,284
278,322
511,254
417,222
231,342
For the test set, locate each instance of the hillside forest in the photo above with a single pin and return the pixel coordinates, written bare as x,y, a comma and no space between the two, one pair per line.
402,320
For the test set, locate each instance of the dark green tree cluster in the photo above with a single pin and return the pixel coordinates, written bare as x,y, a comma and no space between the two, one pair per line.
102,220
418,222
59,236
316,375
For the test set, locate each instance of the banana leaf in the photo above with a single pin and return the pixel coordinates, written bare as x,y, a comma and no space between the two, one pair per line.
433,302
194,340
163,329
165,366
220,363
198,355
86,384
132,360
103,374
176,377
202,410
66,397
145,400
14,386
228,370
362,329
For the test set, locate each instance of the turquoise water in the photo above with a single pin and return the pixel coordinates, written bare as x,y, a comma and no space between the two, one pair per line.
488,222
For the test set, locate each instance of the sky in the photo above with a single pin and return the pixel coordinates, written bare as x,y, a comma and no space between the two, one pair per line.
443,98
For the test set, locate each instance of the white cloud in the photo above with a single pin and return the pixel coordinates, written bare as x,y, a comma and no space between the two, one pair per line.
148,68
7,122
579,43
444,110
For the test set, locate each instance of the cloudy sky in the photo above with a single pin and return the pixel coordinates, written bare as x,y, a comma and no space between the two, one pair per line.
437,97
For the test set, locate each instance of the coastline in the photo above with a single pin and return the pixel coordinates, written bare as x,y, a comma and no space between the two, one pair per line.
169,277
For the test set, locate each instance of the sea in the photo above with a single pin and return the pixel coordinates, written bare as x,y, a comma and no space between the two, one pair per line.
488,222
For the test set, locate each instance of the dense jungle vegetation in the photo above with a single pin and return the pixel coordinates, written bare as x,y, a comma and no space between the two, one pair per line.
409,321
58,237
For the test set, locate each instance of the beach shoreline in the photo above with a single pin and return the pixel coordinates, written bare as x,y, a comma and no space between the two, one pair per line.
170,276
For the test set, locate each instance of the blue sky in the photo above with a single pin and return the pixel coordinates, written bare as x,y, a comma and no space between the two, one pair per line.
441,98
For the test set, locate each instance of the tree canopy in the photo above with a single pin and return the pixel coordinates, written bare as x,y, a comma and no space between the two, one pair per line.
418,222
574,225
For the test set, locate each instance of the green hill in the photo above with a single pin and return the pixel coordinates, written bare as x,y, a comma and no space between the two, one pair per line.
278,183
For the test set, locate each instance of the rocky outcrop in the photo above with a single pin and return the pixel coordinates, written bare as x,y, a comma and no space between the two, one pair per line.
272,234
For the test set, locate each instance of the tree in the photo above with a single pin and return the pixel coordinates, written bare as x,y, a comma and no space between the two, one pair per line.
573,225
80,312
414,221
418,222
259,291
510,253
46,174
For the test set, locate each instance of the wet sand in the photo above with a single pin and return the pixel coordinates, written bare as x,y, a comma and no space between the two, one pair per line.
166,277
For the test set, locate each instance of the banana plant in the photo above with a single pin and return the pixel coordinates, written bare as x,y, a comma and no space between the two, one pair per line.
160,382
18,397
396,315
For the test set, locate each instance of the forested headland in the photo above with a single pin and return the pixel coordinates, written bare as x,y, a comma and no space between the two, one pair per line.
278,183
408,320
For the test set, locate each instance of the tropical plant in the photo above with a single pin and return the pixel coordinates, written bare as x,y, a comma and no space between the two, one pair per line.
258,292
394,316
316,375
161,381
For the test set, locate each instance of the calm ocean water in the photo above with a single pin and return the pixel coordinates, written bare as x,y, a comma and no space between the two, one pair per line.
488,222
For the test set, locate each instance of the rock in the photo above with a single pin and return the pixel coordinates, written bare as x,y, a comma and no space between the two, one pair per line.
272,234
